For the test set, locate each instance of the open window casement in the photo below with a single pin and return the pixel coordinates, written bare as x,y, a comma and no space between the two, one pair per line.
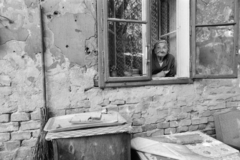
174,25
127,31
126,41
214,38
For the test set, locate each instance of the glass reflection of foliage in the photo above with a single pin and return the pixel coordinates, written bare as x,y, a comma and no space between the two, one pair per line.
215,11
125,9
125,42
215,46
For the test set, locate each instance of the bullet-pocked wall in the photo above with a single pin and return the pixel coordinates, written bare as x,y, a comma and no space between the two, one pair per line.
70,38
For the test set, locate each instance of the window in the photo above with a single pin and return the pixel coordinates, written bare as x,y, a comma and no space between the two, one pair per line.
128,30
215,38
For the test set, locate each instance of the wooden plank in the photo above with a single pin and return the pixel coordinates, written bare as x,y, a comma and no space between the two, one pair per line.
193,38
103,147
236,36
163,81
100,43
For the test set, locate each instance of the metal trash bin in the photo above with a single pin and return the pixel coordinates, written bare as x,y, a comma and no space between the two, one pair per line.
99,143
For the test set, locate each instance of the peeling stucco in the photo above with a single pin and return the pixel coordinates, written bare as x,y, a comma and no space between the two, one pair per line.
31,3
7,35
70,42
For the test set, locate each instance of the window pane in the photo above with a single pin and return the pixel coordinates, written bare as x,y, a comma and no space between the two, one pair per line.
215,48
125,9
127,49
215,11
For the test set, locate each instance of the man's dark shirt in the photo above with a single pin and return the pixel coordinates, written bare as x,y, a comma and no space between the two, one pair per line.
168,65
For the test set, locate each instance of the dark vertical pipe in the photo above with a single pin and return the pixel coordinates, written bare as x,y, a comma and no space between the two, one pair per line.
43,58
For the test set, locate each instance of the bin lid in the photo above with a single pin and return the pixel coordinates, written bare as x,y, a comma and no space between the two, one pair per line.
83,121
88,132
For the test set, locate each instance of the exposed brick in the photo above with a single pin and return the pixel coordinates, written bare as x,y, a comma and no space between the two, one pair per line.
136,129
162,113
131,100
193,128
4,118
203,120
143,134
30,125
187,109
175,110
173,124
183,116
7,155
210,119
207,113
185,122
36,115
163,125
8,127
210,125
112,108
6,108
138,122
233,104
210,132
171,118
182,129
136,115
57,112
149,127
195,121
11,145
140,107
105,102
4,137
21,135
118,102
25,153
20,116
155,132
202,126
35,133
170,131
158,132
217,106
68,111
29,143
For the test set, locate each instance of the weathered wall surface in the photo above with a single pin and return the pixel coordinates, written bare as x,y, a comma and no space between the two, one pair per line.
21,89
70,37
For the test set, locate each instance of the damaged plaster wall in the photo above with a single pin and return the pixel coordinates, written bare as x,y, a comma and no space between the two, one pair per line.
21,90
71,51
70,39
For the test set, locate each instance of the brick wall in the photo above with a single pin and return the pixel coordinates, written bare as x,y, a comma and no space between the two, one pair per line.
18,134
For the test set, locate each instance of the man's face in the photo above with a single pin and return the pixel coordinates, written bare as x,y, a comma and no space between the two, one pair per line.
161,49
